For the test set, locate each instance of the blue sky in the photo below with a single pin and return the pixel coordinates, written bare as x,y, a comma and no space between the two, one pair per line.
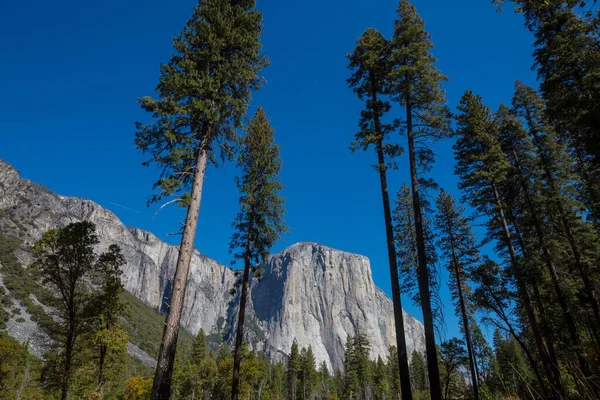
73,70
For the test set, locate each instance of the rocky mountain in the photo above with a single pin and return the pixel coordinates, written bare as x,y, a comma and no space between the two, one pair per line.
310,292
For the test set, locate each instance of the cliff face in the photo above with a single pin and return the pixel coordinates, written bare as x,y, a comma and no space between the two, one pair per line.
310,292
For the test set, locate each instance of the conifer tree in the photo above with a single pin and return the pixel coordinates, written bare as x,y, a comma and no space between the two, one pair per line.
394,371
203,95
415,83
517,147
351,379
293,366
308,373
560,191
370,67
196,377
458,246
259,223
109,304
324,384
567,58
380,380
418,371
483,168
277,383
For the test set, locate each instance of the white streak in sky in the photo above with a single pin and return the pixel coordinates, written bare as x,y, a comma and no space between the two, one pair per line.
126,208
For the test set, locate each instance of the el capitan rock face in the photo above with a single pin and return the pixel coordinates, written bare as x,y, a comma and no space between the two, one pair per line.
310,292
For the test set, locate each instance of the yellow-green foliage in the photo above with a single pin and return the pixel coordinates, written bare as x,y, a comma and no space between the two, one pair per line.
137,388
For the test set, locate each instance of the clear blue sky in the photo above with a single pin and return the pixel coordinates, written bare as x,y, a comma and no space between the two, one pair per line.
71,72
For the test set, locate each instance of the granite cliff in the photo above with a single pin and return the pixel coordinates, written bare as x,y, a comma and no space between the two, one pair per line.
310,292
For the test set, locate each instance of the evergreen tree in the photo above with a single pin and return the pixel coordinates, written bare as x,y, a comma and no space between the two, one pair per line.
418,371
483,168
457,243
415,83
560,189
108,302
203,95
567,58
64,259
308,373
293,366
325,384
197,376
394,371
259,223
352,382
518,149
370,67
277,383
380,380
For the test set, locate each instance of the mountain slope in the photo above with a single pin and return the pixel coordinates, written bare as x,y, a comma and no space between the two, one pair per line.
310,292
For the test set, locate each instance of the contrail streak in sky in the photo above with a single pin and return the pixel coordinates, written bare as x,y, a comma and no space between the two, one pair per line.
126,208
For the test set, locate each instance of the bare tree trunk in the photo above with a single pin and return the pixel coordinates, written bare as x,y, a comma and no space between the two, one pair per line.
68,360
101,364
161,388
466,327
423,271
239,336
396,299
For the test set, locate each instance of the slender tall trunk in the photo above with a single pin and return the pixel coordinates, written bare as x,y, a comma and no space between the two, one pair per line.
396,300
423,271
551,370
161,388
68,360
465,320
101,364
237,356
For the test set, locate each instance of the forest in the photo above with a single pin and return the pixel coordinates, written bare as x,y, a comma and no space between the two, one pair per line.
529,174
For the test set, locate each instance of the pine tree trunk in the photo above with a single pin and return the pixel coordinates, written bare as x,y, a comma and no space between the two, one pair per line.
68,360
101,364
423,271
551,370
396,299
161,388
463,312
237,356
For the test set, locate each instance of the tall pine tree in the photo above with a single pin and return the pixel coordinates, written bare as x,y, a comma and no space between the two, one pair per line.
483,169
203,95
370,67
259,224
457,243
415,83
